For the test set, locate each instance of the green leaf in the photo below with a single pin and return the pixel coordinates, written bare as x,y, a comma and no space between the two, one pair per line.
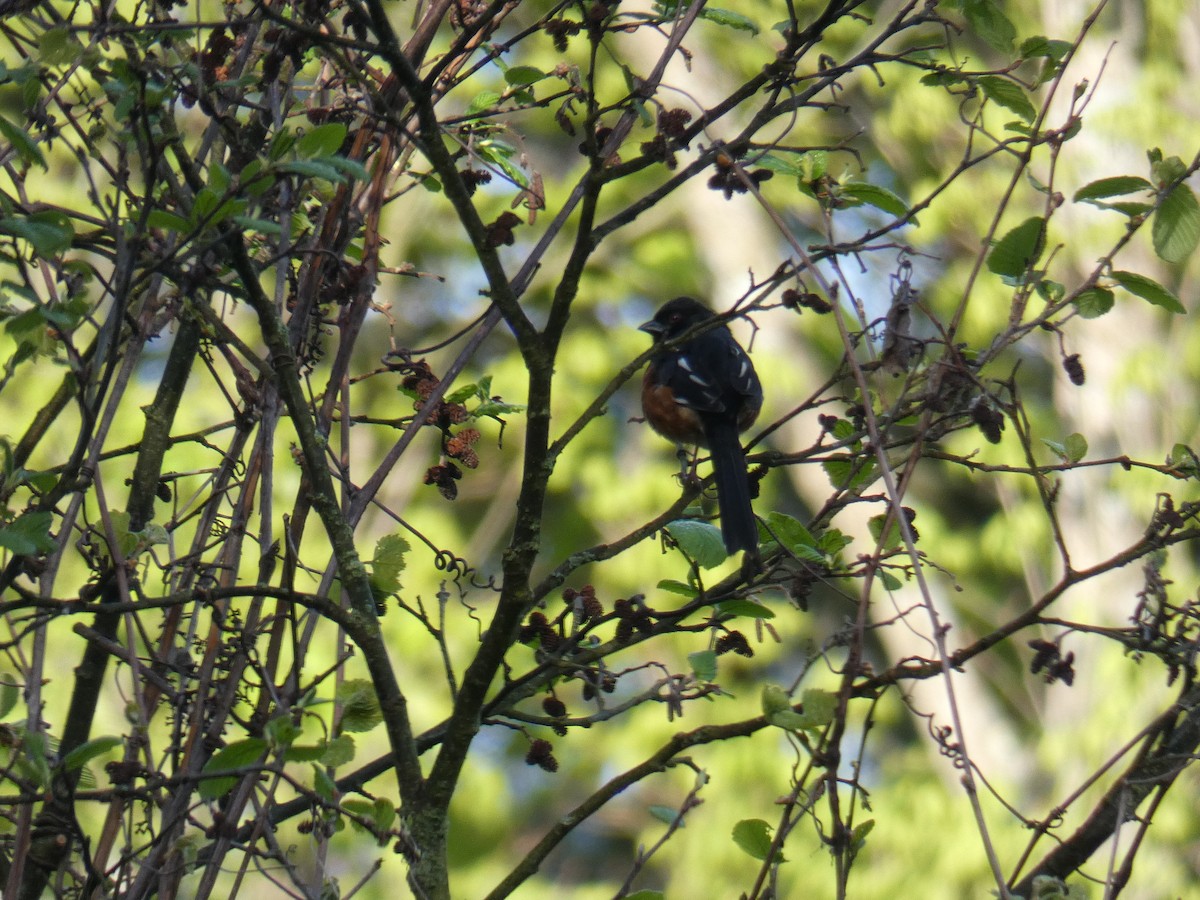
819,707
890,582
23,143
49,232
1071,450
259,226
774,700
28,534
1116,186
1176,228
168,221
664,814
729,19
322,141
483,101
677,587
388,562
791,534
1018,250
360,706
1094,302
324,785
859,835
232,757
10,693
700,541
1039,46
1008,94
754,837
730,609
323,169
645,895
1149,290
524,75
846,472
704,665
338,751
89,750
989,24
304,752
874,195
875,526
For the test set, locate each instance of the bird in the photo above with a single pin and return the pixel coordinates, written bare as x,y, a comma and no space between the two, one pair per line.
704,391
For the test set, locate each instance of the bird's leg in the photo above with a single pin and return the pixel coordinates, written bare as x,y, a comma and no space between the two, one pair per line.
687,465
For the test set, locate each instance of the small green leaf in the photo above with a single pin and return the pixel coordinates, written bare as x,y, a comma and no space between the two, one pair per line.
875,526
1149,290
1018,250
259,226
321,141
304,752
664,814
1008,94
89,750
774,700
819,707
874,195
677,587
1076,446
754,837
730,609
524,75
1176,228
483,101
388,562
168,221
704,665
729,19
23,143
645,895
232,757
323,169
859,835
890,582
1116,186
360,705
1039,46
324,785
847,472
10,693
1094,302
700,541
989,24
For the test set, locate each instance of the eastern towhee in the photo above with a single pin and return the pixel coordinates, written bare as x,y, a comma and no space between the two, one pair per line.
705,392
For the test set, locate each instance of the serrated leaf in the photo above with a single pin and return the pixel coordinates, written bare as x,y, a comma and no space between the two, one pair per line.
360,706
847,472
1018,250
1008,94
875,526
753,836
704,665
339,751
989,24
388,562
22,142
1116,186
729,19
733,608
1149,290
819,707
700,541
89,750
1176,227
1094,302
874,195
483,101
321,141
677,587
28,534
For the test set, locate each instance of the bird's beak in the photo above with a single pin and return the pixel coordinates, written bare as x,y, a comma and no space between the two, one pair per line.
653,328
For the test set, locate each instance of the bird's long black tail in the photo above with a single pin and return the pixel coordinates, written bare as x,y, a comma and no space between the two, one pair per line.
738,526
